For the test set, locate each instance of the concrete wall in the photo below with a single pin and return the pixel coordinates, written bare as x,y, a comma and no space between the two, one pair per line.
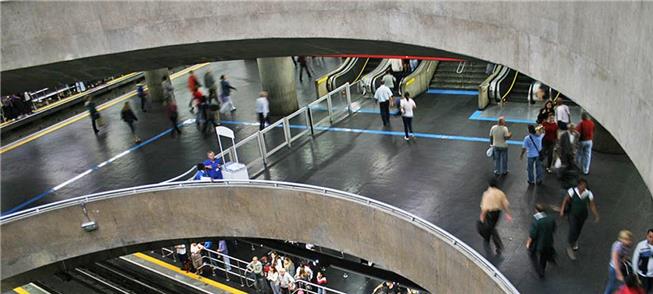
596,52
399,245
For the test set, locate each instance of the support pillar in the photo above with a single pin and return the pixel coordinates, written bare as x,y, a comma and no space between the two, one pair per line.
153,79
278,79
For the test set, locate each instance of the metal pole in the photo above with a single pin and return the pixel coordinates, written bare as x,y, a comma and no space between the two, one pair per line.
233,145
330,108
286,130
348,92
261,147
309,117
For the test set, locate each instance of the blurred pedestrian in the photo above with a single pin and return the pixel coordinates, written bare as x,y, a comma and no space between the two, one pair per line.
129,117
575,205
540,239
262,109
168,90
563,115
549,140
227,101
303,66
193,82
209,83
142,95
321,282
494,201
92,113
619,261
173,116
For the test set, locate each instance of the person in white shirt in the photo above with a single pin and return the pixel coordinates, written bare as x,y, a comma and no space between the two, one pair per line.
262,109
408,107
563,115
643,261
181,253
273,278
286,281
383,95
389,80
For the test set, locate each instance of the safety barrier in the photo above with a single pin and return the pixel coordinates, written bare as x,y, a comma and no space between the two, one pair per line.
452,241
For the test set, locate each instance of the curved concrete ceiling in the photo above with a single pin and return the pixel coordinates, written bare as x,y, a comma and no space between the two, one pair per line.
50,239
596,52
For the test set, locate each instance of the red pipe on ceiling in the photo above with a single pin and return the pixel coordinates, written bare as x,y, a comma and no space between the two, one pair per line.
394,56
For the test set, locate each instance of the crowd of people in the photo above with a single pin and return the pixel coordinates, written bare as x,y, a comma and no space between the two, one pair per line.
555,143
16,106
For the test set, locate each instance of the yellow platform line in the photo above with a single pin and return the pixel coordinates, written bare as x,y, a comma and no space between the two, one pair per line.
83,115
20,290
187,274
73,97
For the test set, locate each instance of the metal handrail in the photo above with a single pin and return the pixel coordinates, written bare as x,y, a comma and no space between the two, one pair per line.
369,202
326,289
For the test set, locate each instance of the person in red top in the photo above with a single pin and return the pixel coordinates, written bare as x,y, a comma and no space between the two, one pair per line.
549,140
193,83
198,103
322,281
586,129
631,287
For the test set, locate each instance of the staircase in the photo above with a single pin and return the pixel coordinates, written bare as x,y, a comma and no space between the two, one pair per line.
472,75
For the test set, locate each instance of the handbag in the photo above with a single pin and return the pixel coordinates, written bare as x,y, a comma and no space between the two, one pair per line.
490,151
483,229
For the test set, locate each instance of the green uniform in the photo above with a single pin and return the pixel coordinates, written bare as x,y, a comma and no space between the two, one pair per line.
541,233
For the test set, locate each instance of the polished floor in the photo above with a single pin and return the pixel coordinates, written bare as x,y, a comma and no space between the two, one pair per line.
439,176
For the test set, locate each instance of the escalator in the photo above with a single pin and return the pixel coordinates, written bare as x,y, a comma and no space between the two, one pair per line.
520,89
465,75
350,71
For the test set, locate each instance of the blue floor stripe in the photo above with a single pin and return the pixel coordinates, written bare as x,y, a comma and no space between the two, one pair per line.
228,122
477,116
452,92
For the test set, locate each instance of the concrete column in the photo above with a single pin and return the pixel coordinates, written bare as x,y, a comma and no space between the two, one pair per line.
153,79
278,78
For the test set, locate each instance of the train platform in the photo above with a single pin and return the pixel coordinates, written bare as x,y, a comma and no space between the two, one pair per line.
439,176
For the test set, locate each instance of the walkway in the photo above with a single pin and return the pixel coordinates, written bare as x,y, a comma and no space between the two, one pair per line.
440,176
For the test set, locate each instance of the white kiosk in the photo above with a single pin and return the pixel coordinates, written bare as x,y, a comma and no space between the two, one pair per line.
233,170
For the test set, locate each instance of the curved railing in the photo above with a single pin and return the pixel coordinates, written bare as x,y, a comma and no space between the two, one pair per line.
470,253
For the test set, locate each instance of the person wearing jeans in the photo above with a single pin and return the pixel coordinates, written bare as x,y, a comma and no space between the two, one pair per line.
383,95
499,134
407,106
532,146
586,130
618,254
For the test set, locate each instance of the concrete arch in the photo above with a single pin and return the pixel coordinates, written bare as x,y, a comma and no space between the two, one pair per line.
596,52
416,249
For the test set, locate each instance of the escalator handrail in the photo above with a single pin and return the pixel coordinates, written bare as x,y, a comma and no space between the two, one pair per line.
497,88
331,82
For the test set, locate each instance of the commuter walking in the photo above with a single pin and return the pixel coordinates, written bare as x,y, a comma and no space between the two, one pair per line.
196,257
223,249
549,140
619,259
407,111
389,80
586,132
383,95
129,117
213,166
540,239
532,146
499,135
193,82
173,116
93,114
303,66
643,261
575,205
168,90
256,268
567,145
209,83
563,115
225,88
494,201
198,103
140,92
262,109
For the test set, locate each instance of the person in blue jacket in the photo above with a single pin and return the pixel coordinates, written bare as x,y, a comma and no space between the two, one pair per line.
214,166
201,172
